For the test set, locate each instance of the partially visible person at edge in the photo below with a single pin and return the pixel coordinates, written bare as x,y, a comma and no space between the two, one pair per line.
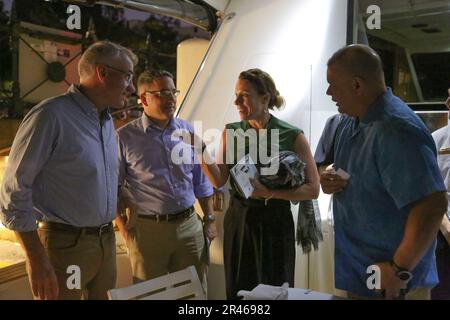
259,236
162,230
442,290
62,173
389,211
324,155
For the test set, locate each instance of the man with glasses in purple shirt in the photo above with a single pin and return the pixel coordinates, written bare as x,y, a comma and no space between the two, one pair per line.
161,228
60,188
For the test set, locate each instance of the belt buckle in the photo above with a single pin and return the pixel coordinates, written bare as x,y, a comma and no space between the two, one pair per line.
102,228
162,217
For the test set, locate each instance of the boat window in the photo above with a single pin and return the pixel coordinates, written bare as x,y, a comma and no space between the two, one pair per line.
412,40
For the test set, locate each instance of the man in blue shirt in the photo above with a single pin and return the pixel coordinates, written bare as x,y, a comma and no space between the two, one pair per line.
161,228
389,211
62,172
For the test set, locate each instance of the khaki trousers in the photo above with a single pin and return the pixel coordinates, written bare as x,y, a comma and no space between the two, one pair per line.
94,255
157,248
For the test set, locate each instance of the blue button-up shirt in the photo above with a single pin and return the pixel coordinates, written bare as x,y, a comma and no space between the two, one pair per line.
62,166
148,175
391,159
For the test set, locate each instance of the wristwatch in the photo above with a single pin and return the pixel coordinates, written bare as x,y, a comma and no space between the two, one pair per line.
401,273
209,218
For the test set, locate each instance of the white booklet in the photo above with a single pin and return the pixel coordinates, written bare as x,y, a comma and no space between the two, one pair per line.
242,172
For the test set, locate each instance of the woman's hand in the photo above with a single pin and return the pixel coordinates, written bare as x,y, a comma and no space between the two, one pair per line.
260,190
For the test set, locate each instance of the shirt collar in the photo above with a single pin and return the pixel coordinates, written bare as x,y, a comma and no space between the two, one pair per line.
375,110
85,104
148,123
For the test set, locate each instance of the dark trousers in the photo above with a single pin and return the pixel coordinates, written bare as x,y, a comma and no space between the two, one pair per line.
259,245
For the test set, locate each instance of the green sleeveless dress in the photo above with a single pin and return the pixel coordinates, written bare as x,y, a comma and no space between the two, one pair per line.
259,235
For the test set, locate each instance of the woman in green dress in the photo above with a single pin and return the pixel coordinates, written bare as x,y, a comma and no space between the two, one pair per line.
259,232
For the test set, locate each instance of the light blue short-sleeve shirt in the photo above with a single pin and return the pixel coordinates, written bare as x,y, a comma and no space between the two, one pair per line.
391,158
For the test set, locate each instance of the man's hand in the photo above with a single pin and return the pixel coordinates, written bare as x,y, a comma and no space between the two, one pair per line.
128,212
209,227
42,277
126,217
120,222
210,230
390,283
332,183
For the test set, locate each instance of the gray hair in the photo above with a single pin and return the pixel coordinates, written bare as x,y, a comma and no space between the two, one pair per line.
98,52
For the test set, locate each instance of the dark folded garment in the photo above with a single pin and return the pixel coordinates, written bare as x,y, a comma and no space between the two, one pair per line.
291,174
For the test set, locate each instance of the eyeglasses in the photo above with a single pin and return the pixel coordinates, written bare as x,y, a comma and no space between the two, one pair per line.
164,93
128,74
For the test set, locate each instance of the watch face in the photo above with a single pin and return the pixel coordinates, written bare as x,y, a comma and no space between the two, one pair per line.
404,275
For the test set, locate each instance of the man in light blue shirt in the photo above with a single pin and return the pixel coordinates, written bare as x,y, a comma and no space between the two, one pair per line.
387,214
162,230
62,172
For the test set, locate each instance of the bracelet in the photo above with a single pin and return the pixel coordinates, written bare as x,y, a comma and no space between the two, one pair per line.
267,199
271,196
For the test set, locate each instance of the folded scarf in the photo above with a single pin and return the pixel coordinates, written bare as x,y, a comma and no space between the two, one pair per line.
291,174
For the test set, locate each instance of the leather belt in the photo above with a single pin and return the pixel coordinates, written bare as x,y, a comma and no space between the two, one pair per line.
168,217
250,202
104,228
